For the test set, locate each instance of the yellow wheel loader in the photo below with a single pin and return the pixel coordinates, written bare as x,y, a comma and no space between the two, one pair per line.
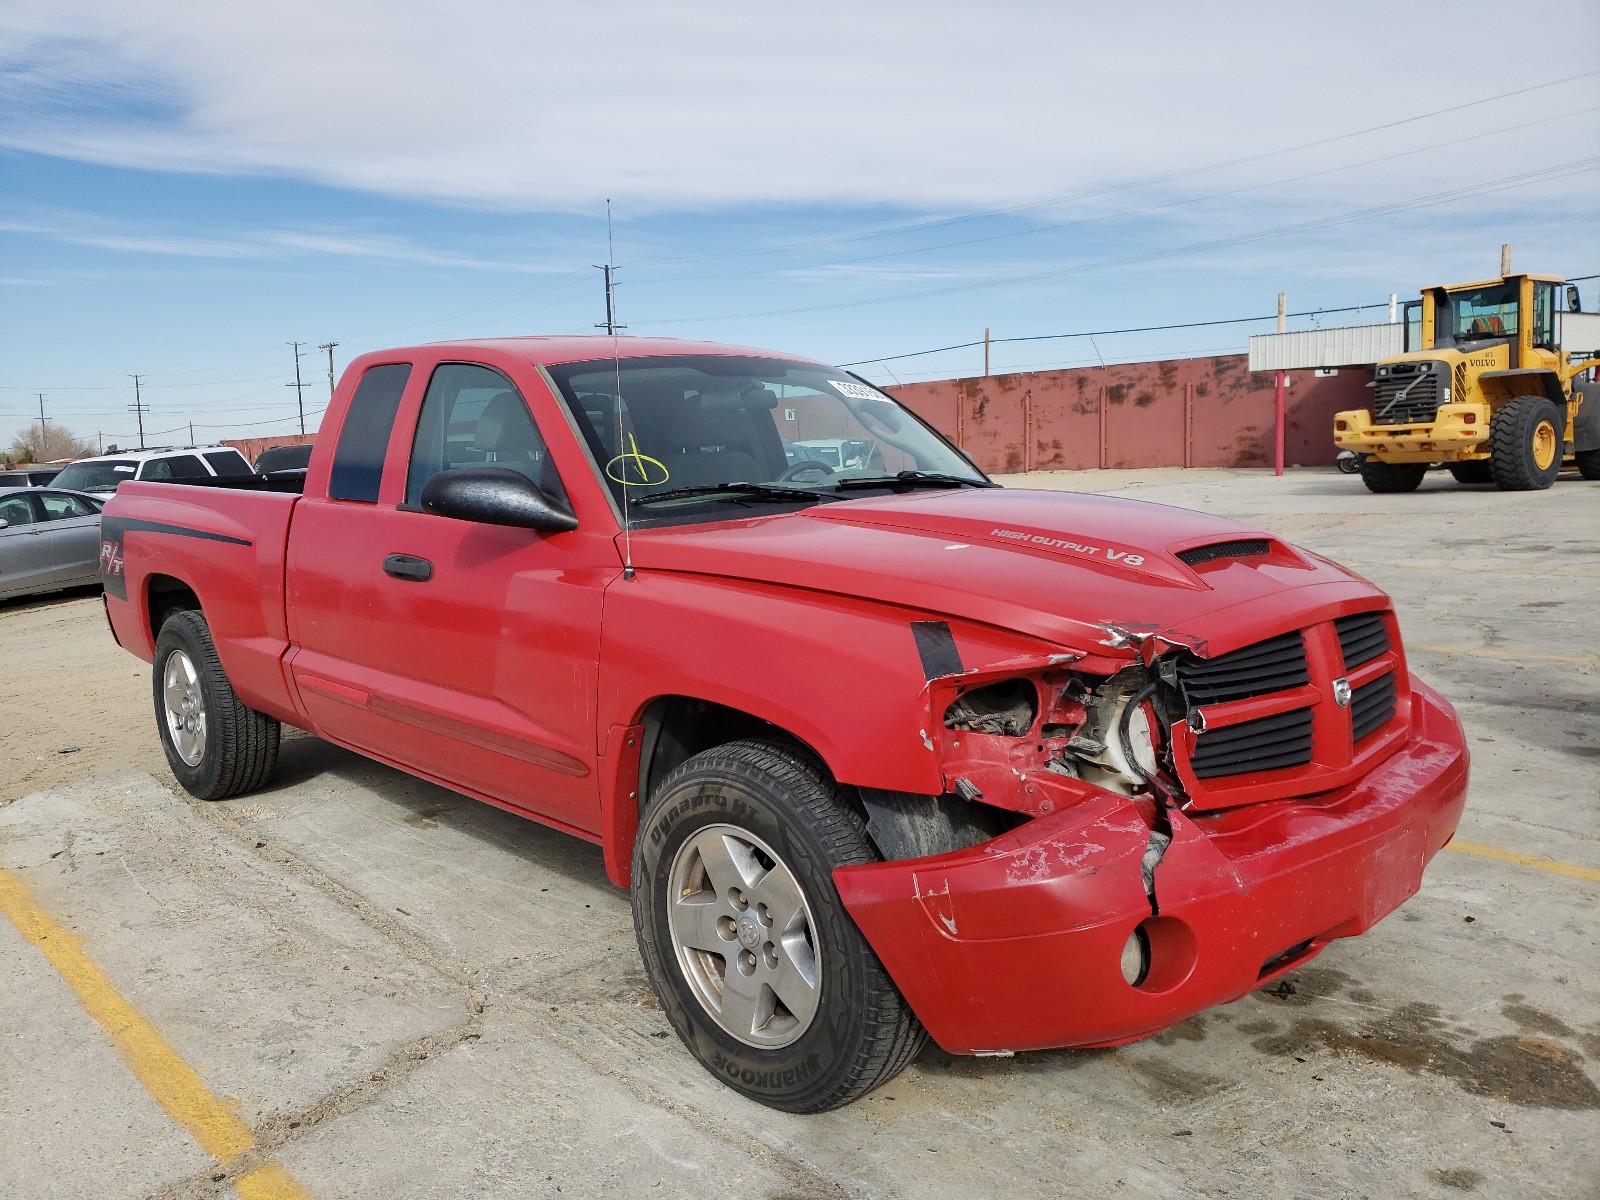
1486,387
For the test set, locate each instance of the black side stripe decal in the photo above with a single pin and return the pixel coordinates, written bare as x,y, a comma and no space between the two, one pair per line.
114,529
936,646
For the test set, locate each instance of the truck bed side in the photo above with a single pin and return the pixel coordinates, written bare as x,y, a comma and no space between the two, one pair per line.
167,545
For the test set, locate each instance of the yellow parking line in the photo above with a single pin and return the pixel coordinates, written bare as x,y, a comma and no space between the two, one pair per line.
155,1064
1590,660
270,1182
1551,865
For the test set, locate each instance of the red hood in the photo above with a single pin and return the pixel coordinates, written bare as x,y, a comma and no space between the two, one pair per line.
1060,566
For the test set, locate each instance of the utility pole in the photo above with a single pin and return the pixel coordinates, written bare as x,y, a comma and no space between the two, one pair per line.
138,410
44,429
328,346
1277,399
299,388
986,352
1505,258
610,323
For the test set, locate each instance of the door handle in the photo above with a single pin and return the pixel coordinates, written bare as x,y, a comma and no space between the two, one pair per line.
408,566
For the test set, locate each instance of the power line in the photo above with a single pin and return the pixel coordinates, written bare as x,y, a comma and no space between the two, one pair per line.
1541,175
893,230
1091,333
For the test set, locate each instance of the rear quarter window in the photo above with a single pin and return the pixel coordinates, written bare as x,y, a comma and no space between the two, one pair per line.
364,439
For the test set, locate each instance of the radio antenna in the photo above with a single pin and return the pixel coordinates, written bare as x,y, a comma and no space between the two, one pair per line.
611,328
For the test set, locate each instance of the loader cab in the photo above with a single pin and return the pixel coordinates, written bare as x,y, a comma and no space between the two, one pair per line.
1518,311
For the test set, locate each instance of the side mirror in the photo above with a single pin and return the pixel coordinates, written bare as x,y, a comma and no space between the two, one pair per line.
1572,298
495,496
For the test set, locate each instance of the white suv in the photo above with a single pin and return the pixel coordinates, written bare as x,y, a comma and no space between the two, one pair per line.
164,464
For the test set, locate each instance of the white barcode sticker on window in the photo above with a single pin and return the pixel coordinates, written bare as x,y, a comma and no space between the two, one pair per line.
856,391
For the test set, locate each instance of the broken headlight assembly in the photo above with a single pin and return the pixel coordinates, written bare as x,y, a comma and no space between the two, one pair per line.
1012,742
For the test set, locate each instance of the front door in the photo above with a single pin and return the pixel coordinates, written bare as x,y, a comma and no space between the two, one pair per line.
26,564
464,651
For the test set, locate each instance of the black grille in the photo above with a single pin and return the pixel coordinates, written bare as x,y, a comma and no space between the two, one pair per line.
1371,705
1274,665
1418,404
1265,744
1362,638
1242,548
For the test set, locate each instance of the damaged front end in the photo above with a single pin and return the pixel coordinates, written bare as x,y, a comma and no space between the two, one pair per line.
1123,842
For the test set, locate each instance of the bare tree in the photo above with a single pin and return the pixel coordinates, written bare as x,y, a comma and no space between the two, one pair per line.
55,442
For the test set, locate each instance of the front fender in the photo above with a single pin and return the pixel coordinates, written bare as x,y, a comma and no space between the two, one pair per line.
846,676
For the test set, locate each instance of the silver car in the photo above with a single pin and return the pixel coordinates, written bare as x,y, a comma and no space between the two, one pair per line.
49,539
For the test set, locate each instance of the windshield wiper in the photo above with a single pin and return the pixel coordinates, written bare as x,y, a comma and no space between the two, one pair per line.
739,491
911,479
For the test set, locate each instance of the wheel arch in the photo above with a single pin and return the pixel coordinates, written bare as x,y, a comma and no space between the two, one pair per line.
163,596
669,730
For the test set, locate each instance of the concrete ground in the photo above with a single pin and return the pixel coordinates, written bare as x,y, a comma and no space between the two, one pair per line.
391,991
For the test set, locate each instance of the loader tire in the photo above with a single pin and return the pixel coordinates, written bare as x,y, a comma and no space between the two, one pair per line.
1525,444
1383,478
1475,471
1588,463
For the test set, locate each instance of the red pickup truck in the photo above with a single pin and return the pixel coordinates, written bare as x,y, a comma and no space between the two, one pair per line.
883,751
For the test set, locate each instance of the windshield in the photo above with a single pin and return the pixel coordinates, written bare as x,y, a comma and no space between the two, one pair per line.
1488,312
682,426
100,476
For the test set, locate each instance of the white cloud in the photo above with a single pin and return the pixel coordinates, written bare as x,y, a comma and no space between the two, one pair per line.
717,104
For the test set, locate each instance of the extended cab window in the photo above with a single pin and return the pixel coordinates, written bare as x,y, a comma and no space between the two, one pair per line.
474,416
364,439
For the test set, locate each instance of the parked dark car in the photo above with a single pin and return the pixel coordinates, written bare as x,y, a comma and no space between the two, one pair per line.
49,539
28,476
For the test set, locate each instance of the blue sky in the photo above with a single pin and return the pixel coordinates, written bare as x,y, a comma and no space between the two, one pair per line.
185,188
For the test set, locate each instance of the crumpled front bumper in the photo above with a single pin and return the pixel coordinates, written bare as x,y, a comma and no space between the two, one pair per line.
1016,944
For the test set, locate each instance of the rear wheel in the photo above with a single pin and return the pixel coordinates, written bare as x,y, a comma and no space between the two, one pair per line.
1473,471
1525,438
756,963
1385,477
216,746
1588,463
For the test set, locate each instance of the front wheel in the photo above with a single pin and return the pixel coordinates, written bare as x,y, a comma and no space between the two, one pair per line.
216,746
1525,444
1474,470
745,940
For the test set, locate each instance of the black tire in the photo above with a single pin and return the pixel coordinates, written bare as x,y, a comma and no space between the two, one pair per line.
1588,463
1385,477
1522,432
1474,471
215,745
769,814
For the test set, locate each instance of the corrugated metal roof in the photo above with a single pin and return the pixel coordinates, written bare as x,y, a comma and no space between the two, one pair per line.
1349,346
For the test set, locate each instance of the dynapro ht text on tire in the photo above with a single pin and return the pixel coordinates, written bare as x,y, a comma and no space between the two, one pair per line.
1391,477
1525,444
752,955
215,745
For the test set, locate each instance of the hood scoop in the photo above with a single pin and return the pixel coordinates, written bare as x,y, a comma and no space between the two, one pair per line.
1238,548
